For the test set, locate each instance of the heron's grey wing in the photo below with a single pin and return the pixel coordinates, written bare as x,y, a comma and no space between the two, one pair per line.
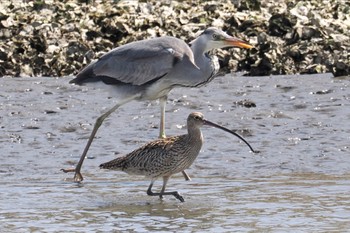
141,62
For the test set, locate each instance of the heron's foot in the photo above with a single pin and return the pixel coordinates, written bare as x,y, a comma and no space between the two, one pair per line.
78,177
68,170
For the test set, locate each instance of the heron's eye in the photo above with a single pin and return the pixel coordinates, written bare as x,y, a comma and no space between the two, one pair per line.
215,36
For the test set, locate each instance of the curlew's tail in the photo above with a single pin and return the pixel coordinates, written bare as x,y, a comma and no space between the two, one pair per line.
115,164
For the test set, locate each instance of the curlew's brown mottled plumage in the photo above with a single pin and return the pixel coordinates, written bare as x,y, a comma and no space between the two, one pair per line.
168,156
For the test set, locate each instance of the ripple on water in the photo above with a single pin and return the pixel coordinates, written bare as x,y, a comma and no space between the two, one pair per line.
298,182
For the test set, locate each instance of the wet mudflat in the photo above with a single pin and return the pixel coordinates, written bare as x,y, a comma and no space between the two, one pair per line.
298,182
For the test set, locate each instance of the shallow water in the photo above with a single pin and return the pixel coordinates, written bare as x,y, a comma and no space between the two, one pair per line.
299,182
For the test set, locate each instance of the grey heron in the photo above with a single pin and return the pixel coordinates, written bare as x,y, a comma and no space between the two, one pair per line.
149,69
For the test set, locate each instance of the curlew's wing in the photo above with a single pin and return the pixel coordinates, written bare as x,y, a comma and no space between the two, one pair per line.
136,63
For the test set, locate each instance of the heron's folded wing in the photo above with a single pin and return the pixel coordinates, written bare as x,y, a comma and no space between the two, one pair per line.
139,63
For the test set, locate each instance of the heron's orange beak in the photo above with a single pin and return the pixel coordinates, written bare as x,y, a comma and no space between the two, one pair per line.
237,43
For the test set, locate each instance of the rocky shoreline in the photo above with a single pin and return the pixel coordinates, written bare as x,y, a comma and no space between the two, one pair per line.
53,38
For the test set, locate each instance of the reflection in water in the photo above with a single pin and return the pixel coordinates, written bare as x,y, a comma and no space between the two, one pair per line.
299,181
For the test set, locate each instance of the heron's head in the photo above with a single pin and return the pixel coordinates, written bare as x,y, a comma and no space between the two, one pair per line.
214,38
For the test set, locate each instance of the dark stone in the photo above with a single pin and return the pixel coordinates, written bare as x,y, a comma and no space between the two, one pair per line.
91,35
246,103
248,5
309,33
279,25
38,43
264,67
341,69
3,56
296,55
210,8
292,37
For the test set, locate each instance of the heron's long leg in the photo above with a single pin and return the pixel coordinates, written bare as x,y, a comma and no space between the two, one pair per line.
78,176
162,192
162,102
187,177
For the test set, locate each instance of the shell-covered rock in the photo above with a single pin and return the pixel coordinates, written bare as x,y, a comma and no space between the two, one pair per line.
54,38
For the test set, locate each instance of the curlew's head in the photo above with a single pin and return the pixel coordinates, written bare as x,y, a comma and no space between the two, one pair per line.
196,120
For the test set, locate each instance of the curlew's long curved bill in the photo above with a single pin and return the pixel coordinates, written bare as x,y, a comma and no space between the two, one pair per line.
206,122
231,41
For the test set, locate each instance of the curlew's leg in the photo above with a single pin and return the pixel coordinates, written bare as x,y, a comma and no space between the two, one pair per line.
78,176
162,102
162,192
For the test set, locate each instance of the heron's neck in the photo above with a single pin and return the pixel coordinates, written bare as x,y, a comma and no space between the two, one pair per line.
199,49
201,57
208,65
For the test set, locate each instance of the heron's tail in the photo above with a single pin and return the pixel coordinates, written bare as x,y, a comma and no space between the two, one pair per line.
115,164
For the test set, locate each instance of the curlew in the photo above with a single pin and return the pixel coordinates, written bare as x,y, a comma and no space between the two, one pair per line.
168,156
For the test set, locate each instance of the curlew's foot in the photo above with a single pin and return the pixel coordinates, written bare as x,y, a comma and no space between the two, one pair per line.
179,197
175,194
161,194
